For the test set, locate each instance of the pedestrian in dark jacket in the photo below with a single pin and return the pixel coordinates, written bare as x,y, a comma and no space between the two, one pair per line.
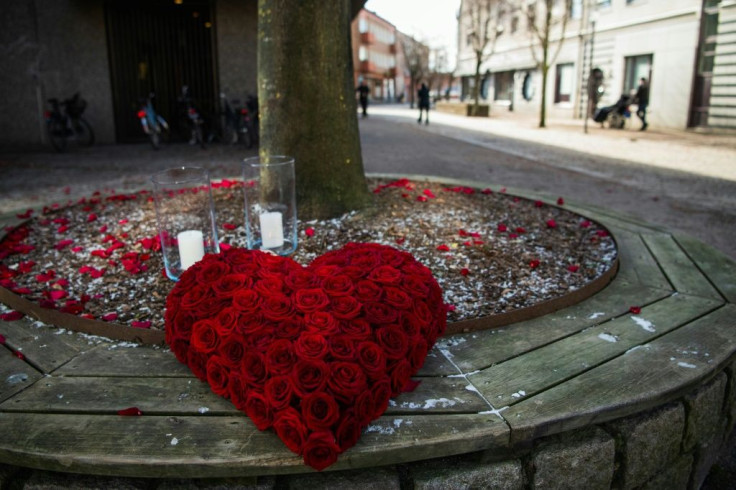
642,99
423,94
363,96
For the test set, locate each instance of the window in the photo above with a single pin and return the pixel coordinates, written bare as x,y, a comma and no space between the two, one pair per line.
563,82
502,84
362,55
514,24
576,9
636,67
603,3
362,25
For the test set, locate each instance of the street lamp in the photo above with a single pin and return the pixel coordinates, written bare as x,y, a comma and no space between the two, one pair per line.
592,86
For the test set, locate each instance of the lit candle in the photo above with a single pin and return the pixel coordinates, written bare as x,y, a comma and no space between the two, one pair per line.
191,247
272,230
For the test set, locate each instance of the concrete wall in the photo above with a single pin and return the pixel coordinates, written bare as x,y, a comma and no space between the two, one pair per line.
237,47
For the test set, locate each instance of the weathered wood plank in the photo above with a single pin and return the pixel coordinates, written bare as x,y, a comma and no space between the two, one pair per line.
642,378
523,377
679,269
15,374
637,263
41,346
478,350
113,360
200,447
183,396
720,269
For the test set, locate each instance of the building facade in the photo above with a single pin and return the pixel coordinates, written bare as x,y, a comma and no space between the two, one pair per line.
686,49
114,52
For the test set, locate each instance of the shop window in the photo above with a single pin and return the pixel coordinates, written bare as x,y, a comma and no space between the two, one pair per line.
636,67
502,84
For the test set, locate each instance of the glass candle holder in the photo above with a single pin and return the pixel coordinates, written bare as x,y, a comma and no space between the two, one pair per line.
185,213
270,204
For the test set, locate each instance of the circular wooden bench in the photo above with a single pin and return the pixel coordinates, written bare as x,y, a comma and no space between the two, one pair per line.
492,390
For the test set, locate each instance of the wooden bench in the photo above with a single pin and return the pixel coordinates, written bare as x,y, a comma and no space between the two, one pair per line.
493,390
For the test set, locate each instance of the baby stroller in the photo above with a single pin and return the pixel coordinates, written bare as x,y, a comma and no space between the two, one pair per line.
615,114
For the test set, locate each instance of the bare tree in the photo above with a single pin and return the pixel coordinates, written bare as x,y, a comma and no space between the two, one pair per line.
416,55
547,22
482,21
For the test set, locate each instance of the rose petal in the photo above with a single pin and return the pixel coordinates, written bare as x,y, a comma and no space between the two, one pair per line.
551,223
486,191
560,201
110,317
11,316
538,204
465,271
140,324
635,309
443,248
533,264
130,412
502,227
573,268
400,240
19,355
91,217
585,224
309,232
229,226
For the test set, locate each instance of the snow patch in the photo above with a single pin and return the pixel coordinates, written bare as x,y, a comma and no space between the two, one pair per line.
608,337
518,394
595,315
687,365
645,324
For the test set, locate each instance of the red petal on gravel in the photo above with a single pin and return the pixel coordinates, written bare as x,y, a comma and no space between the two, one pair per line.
309,232
465,271
443,248
585,224
141,324
538,204
551,223
229,226
533,264
110,317
11,316
573,268
19,355
486,191
560,201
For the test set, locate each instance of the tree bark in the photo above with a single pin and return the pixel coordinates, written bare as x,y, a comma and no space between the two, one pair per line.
307,102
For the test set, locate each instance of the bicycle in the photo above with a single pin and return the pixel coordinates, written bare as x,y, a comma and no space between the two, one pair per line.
191,118
69,124
154,125
236,126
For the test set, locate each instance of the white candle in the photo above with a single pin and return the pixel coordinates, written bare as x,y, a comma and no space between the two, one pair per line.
191,247
272,230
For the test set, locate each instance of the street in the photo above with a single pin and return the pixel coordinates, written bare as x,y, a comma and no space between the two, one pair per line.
663,178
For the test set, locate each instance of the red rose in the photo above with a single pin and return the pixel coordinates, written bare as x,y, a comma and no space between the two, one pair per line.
381,392
394,258
289,329
210,309
415,285
194,297
380,313
397,298
368,291
309,300
246,301
358,328
365,259
278,391
322,322
290,429
372,360
345,307
320,411
418,352
183,323
320,450
342,347
197,362
204,336
348,430
218,376
258,410
226,321
311,346
211,270
385,274
393,341
250,324
339,285
410,324
400,374
232,350
325,270
364,409
346,381
280,357
354,273
180,348
309,375
269,286
277,307
187,280
229,284
253,368
238,391
300,279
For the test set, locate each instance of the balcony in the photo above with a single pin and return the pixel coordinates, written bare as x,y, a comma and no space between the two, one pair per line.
367,66
367,38
392,48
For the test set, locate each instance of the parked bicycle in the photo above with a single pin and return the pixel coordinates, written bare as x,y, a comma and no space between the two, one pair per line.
236,124
191,119
153,124
67,124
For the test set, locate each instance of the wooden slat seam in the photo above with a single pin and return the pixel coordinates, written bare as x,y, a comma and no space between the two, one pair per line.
697,266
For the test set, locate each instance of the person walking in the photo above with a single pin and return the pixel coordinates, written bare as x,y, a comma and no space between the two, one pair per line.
642,100
423,94
363,91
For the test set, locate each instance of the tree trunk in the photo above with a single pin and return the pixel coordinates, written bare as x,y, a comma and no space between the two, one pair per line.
307,102
545,71
476,89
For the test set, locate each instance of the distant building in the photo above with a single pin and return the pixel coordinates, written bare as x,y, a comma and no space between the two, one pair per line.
685,48
385,58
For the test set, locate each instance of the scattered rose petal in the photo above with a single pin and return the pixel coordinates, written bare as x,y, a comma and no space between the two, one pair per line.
77,249
110,317
551,223
58,294
91,217
573,268
140,324
11,316
520,229
601,233
422,198
429,193
538,204
2,339
19,355
63,244
25,215
486,191
585,224
62,229
225,247
130,412
400,240
229,226
635,309
123,221
443,248
309,232
560,201
502,227
451,307
103,229
465,271
533,264
513,235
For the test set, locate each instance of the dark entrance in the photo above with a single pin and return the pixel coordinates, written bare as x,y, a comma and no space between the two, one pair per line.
159,46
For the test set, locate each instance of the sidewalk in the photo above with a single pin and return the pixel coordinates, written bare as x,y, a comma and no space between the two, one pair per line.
704,154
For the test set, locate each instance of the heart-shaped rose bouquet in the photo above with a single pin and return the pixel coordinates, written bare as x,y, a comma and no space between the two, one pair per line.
314,352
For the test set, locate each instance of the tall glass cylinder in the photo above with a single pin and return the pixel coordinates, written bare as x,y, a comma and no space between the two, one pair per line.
270,203
185,213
